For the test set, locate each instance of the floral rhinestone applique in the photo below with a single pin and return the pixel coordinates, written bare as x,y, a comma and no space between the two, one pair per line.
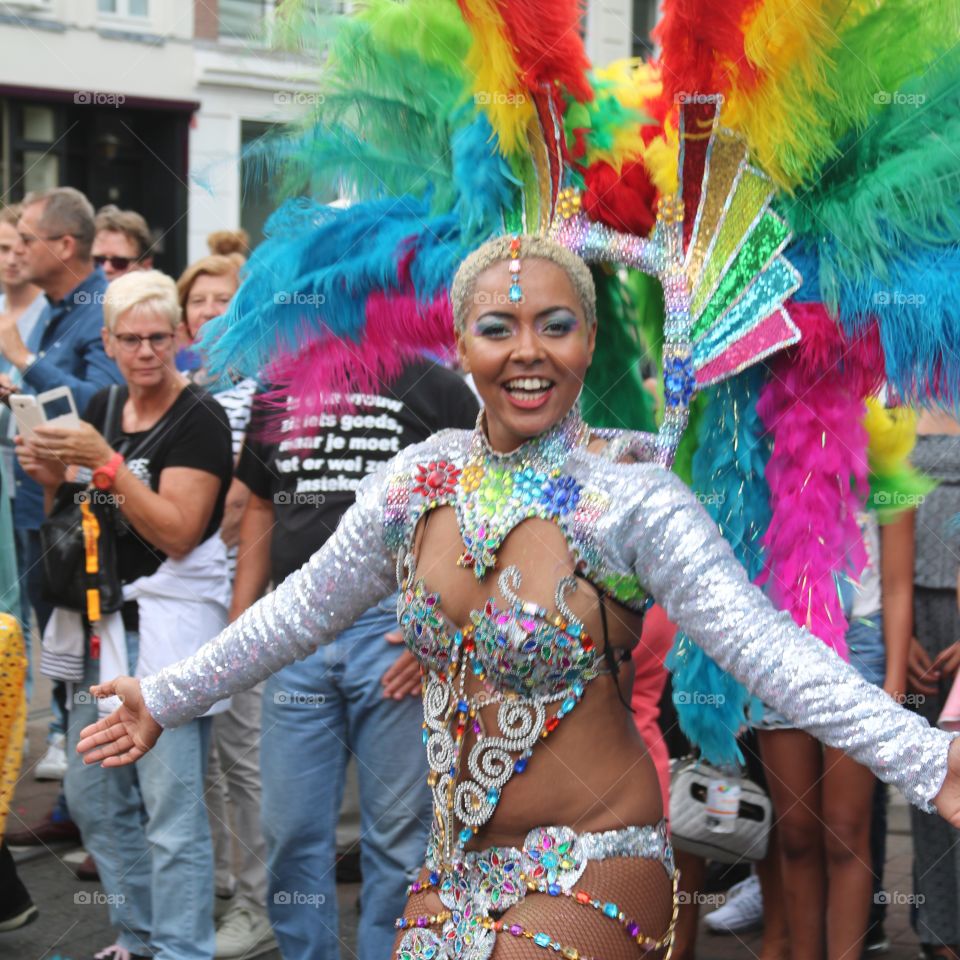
435,479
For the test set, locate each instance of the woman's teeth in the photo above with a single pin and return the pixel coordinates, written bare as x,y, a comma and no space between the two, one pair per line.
528,386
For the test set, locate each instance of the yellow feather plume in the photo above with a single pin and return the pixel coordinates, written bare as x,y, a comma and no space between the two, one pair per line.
892,434
497,86
789,43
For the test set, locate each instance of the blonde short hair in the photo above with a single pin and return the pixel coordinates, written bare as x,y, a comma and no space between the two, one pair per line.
532,247
215,265
141,290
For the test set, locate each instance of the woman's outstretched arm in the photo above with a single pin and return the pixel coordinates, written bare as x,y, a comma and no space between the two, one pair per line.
678,554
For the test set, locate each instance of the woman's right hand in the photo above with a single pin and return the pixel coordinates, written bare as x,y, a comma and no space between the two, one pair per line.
48,473
127,734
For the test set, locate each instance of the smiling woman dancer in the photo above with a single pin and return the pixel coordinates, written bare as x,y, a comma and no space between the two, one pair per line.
523,666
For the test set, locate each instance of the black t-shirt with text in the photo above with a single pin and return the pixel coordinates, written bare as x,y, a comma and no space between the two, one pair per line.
312,475
195,433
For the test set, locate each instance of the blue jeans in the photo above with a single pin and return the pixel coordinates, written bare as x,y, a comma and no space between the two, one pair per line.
146,827
316,713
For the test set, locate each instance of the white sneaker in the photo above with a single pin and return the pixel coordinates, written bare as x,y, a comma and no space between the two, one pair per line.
243,933
53,764
742,911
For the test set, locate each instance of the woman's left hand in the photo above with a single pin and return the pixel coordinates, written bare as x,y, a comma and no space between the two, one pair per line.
947,801
83,445
402,679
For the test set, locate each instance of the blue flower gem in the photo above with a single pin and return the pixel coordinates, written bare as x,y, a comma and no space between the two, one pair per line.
678,381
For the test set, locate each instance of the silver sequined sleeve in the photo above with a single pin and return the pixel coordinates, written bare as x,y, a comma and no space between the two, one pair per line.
674,547
349,573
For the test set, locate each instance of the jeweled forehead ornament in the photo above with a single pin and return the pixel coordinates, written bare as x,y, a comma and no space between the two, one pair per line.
716,249
516,294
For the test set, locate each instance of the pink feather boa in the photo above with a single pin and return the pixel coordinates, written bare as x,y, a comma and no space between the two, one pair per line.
813,407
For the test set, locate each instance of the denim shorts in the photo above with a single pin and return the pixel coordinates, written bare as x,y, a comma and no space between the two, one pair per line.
868,656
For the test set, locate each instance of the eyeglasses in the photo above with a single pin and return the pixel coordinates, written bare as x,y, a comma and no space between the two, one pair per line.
116,263
130,342
27,238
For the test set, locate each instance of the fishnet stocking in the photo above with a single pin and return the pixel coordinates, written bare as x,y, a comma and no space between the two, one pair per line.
639,887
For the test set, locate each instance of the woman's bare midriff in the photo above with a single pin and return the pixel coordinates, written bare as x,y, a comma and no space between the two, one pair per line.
593,772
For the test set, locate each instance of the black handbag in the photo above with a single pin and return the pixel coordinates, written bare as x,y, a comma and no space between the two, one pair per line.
65,581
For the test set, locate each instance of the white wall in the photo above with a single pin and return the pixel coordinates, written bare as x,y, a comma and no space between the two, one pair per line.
82,55
609,30
234,83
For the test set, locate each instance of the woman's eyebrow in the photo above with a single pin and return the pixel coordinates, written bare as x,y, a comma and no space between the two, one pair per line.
549,310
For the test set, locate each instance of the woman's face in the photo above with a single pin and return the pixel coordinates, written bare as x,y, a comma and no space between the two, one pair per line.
143,346
527,359
209,297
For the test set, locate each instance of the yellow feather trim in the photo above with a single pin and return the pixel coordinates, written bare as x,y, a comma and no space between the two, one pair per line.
497,86
892,435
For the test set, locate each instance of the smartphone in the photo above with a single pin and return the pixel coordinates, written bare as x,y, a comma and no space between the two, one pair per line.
26,411
54,406
58,407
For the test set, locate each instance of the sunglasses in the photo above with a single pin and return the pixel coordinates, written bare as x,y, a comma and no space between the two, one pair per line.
116,263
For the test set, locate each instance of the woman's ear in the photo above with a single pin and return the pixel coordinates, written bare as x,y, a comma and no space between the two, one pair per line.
107,342
462,352
591,341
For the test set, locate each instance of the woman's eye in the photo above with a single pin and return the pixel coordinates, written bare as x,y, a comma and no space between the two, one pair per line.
494,329
560,325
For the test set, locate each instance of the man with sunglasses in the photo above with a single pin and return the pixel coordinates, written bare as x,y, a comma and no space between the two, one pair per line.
64,348
122,242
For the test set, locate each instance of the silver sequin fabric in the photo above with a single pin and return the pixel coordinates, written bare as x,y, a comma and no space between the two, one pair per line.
637,522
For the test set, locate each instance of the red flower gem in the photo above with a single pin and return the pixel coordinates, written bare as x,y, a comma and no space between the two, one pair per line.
438,478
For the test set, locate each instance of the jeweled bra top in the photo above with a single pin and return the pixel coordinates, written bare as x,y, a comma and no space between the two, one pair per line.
531,663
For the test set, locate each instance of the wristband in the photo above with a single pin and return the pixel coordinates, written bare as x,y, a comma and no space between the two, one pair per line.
104,477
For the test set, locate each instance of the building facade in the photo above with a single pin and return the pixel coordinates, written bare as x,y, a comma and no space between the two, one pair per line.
148,104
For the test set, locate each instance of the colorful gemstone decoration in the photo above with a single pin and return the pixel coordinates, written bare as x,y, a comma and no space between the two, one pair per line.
678,381
436,479
516,294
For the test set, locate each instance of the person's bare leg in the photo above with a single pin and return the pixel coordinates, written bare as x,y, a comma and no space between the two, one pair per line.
776,940
847,803
692,872
793,762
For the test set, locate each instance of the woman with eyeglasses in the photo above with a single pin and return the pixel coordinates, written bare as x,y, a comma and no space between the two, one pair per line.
165,460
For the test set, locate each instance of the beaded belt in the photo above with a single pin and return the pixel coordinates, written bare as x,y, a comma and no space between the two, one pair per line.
491,881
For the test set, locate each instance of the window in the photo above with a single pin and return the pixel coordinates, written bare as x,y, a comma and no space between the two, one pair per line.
124,8
644,20
243,19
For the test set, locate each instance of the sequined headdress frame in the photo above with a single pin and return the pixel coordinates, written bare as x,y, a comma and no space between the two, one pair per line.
716,249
